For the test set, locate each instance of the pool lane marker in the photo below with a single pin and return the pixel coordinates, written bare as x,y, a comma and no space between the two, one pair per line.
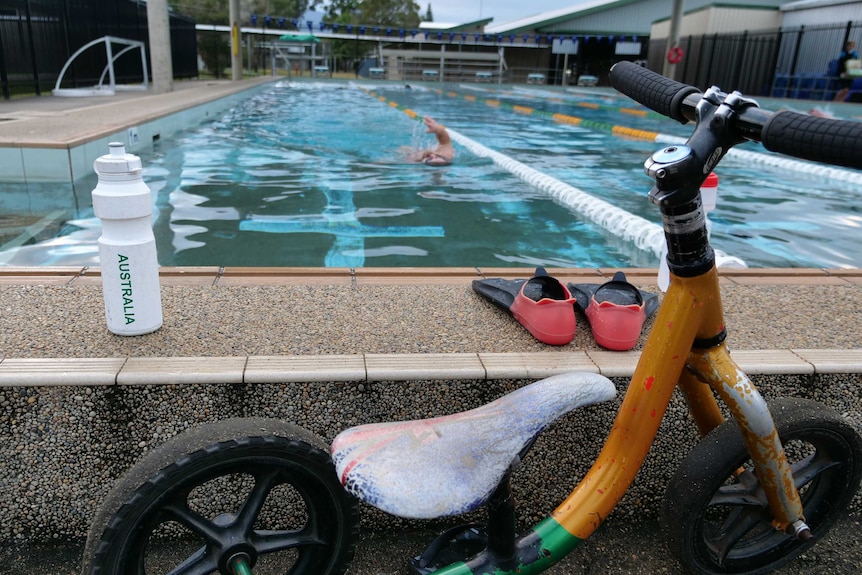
644,234
567,100
747,156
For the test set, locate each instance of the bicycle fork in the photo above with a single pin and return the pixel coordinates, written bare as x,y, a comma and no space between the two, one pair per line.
723,376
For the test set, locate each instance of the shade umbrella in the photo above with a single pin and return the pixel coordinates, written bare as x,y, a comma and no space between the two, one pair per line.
299,38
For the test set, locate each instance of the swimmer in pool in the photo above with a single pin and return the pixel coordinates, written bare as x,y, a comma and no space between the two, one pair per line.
443,154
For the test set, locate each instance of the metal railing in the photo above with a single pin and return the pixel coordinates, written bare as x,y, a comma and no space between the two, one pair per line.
795,62
36,40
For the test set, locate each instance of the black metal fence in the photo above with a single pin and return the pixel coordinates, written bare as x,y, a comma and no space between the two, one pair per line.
37,37
799,62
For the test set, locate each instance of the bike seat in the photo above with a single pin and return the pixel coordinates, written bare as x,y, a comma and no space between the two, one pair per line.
448,465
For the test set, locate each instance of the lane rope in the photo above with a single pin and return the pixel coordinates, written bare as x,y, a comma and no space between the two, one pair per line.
644,234
756,158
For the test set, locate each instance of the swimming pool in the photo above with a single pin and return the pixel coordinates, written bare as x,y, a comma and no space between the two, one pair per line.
309,174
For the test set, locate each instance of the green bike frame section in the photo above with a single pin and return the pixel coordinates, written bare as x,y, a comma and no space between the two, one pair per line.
547,543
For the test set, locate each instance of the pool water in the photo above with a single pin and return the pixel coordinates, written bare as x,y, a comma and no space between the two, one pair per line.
311,174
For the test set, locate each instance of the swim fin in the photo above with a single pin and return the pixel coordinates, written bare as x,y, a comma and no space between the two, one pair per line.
541,304
616,310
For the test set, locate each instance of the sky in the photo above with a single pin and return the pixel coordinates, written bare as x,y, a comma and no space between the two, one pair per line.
460,11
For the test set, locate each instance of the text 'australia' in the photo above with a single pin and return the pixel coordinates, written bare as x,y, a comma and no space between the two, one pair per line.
126,285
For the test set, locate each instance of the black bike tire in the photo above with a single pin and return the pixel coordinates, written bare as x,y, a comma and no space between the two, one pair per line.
134,494
722,451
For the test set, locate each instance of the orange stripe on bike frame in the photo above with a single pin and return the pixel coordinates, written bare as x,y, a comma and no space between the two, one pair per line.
689,309
522,110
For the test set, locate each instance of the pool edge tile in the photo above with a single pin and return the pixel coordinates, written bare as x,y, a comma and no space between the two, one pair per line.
419,366
534,365
25,372
615,363
301,368
832,361
182,370
771,362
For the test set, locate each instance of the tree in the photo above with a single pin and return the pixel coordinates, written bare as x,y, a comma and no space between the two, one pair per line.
401,13
429,17
218,11
404,13
202,11
385,13
279,8
214,47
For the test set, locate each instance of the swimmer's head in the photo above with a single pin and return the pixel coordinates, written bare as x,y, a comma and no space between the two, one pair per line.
432,159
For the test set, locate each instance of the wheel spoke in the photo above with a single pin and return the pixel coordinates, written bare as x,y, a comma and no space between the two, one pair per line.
746,492
805,470
739,522
263,484
193,521
274,541
199,563
744,503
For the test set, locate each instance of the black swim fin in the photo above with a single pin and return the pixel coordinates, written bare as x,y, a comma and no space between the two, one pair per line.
616,311
617,291
541,304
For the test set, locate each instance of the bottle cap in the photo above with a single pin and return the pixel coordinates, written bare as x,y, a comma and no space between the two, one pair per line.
711,181
709,192
118,161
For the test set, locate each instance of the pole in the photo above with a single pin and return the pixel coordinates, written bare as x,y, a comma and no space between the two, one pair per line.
160,46
673,36
235,52
32,43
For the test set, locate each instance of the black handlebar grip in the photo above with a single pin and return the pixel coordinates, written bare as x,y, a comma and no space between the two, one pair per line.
836,142
653,90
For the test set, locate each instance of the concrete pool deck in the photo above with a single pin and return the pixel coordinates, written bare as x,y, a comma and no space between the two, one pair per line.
54,140
799,321
323,347
264,328
49,121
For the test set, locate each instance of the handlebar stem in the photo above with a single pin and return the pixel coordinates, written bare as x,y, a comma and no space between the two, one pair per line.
679,171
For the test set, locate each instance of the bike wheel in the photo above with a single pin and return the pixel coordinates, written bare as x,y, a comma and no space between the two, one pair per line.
264,491
719,522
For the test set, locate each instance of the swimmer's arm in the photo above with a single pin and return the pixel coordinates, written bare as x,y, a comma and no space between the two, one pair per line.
438,130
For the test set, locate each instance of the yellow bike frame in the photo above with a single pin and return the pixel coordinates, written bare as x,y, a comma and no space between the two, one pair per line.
690,311
685,348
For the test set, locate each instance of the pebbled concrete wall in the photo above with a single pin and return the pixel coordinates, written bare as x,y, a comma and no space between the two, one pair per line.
62,448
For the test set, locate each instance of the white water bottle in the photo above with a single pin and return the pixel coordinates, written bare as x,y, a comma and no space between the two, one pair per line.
709,195
127,247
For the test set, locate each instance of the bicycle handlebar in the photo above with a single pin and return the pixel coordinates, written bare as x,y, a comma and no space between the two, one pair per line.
826,140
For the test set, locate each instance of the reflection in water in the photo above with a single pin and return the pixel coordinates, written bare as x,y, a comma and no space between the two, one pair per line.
340,219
